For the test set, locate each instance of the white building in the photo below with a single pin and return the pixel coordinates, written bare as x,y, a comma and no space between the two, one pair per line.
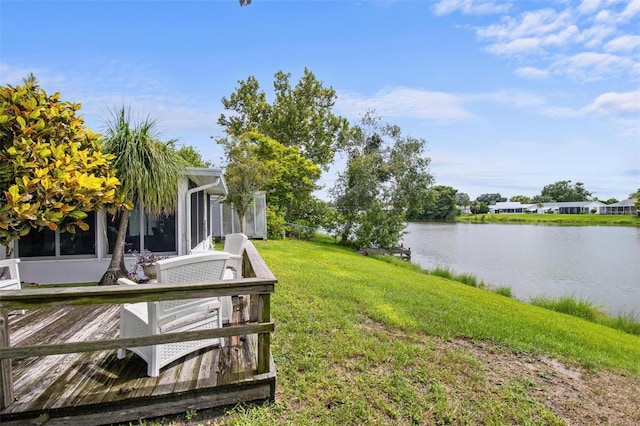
51,257
568,207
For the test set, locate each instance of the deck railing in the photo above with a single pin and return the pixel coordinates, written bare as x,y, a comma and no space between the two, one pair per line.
258,282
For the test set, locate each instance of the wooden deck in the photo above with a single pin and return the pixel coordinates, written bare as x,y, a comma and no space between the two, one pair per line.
94,387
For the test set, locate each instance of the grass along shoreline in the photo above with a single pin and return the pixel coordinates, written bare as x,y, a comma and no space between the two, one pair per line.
552,219
362,341
580,308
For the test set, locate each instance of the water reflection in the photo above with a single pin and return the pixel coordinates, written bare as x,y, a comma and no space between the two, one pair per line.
598,263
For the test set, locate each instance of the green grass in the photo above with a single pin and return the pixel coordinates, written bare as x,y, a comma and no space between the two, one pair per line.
589,311
550,219
464,278
360,341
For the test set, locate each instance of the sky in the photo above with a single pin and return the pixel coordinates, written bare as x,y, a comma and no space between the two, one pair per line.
510,96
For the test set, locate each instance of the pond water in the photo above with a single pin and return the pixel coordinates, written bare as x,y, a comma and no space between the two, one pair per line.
597,263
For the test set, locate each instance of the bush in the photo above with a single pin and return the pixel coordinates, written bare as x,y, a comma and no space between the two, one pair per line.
276,225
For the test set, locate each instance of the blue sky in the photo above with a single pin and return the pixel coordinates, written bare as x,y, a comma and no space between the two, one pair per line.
509,95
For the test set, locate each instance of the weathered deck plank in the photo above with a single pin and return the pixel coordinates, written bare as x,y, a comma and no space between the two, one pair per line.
91,387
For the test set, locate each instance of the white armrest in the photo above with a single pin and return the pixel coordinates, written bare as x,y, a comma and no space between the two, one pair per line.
126,281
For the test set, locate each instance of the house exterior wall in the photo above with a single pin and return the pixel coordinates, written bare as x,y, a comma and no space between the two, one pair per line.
578,207
626,207
90,268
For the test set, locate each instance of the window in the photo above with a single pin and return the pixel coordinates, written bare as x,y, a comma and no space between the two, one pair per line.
48,243
153,233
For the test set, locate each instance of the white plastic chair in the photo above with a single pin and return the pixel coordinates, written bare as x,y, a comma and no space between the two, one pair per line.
152,318
12,282
234,245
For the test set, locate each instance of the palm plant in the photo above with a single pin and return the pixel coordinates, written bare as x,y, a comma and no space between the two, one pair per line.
148,170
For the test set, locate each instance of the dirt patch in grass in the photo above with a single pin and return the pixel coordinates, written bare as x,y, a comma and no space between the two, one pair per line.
574,394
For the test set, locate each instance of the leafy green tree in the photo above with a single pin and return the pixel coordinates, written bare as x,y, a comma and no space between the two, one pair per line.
386,175
636,196
462,199
289,178
541,199
193,157
523,199
490,199
300,117
440,204
478,207
563,191
292,178
149,172
245,175
52,171
611,201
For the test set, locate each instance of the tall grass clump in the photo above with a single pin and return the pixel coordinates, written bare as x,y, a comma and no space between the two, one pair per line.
580,308
442,273
469,279
464,278
589,311
502,290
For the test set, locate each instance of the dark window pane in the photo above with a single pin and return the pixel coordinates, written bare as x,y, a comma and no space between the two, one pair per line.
37,243
80,242
160,233
132,239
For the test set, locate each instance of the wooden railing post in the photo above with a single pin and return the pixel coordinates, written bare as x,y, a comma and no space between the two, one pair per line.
6,380
264,339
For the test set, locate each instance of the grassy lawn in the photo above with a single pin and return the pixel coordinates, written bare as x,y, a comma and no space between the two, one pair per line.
549,219
361,341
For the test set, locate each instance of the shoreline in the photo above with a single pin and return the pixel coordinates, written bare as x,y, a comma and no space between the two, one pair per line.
551,219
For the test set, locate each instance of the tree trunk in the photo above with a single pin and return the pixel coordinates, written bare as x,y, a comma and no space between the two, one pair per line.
116,267
241,218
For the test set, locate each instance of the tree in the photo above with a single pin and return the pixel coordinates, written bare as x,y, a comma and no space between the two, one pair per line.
440,204
300,117
193,157
386,175
478,207
611,201
245,175
463,199
52,171
148,170
523,199
288,178
636,196
563,191
490,199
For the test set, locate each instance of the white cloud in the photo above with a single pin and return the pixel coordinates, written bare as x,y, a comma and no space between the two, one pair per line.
517,47
532,73
621,107
531,24
516,98
616,104
590,66
588,7
593,37
405,102
611,16
625,43
470,7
